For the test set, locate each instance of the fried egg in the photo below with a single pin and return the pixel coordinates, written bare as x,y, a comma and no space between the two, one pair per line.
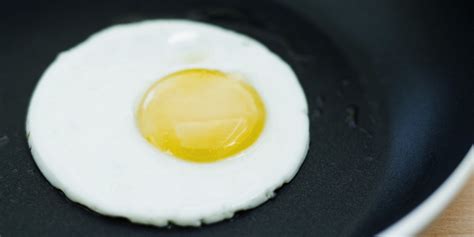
168,121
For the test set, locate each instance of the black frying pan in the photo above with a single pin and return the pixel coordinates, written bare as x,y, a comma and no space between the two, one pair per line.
390,87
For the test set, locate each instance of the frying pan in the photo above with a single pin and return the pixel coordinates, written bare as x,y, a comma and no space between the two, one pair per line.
390,88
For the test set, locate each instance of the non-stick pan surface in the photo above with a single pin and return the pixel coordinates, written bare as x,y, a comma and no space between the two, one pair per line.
389,86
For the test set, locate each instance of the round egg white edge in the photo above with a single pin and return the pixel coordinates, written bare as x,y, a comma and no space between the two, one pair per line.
193,220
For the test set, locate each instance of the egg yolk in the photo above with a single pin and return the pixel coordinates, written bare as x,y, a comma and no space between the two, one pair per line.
201,115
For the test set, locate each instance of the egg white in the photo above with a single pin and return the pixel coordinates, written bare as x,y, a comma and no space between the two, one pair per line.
83,136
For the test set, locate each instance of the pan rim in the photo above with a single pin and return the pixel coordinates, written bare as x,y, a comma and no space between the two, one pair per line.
425,213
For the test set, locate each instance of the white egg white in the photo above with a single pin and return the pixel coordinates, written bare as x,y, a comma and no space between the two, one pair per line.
83,135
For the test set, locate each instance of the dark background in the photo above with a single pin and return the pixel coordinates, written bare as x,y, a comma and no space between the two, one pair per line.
390,87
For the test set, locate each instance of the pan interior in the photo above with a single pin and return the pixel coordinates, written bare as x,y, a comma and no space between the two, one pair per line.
375,152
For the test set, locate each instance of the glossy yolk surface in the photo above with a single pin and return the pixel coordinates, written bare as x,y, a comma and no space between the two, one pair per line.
201,115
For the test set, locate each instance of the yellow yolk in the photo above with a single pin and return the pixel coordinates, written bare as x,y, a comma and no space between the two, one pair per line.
201,115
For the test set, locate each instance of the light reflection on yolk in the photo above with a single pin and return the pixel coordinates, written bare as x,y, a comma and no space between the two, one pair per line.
201,115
